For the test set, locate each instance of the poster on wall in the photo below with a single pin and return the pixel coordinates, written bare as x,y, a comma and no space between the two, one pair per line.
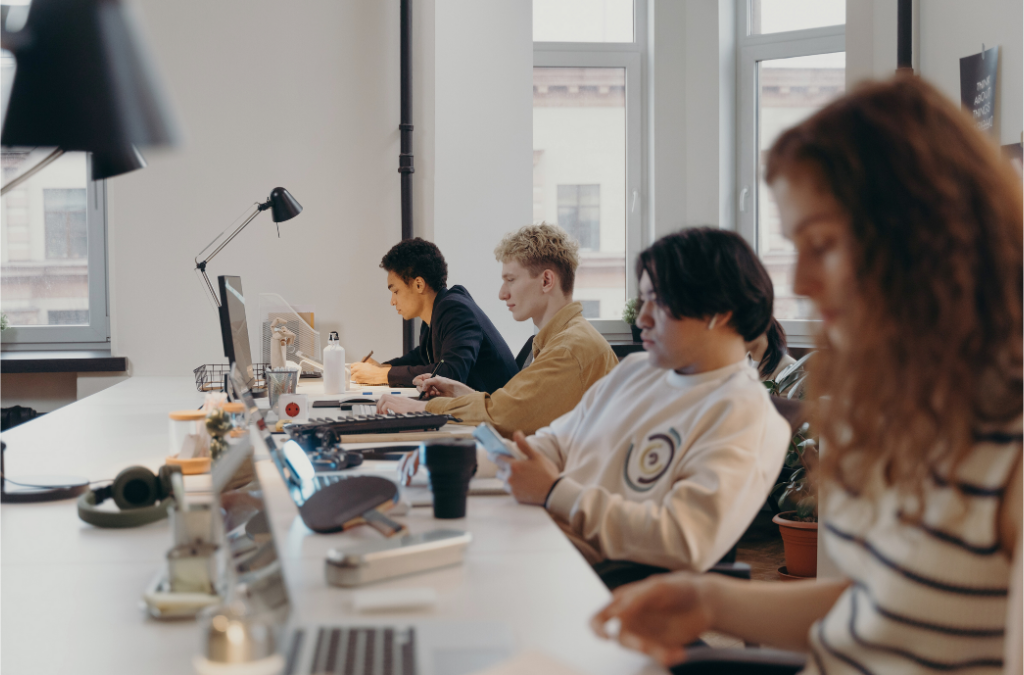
978,87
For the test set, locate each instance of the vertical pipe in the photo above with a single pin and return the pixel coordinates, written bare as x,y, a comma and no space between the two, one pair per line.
405,159
905,36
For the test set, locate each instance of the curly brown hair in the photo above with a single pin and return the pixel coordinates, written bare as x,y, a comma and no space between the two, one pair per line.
936,220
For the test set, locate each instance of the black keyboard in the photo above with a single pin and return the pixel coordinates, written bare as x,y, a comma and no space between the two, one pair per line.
356,650
322,432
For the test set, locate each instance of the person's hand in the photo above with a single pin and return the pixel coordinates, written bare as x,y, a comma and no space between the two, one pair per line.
408,466
441,386
659,615
370,373
389,403
529,479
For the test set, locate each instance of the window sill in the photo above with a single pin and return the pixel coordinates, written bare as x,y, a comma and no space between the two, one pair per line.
624,348
92,361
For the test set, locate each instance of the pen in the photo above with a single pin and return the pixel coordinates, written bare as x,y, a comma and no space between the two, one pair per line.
367,357
424,392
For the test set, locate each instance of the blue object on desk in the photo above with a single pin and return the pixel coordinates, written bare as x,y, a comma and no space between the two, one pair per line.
367,393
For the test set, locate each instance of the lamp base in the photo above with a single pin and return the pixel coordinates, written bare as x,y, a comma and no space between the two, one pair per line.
42,489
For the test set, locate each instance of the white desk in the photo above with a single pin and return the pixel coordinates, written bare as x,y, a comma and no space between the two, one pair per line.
70,592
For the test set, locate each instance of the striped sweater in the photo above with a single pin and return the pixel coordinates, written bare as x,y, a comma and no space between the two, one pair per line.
927,595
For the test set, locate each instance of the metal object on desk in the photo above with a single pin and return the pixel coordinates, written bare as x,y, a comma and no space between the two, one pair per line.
192,568
395,557
281,381
238,641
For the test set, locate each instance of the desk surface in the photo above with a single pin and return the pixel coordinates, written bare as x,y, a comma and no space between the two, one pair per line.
71,591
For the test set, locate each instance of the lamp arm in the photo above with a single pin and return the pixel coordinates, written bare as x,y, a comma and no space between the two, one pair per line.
226,241
45,162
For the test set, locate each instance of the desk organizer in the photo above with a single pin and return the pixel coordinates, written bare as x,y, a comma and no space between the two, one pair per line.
210,376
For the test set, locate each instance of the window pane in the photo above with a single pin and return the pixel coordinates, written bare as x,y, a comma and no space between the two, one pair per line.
790,90
776,16
44,241
579,174
582,20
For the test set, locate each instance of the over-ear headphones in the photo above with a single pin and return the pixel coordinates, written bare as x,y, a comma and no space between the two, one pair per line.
141,496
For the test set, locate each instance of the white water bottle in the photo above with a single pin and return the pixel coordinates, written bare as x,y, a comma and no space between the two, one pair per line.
334,366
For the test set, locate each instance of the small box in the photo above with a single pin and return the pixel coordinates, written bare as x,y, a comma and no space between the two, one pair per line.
395,557
294,407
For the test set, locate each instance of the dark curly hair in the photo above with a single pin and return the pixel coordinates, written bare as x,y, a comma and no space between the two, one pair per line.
417,257
703,271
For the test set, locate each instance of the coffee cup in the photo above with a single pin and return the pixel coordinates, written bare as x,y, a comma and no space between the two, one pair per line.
450,463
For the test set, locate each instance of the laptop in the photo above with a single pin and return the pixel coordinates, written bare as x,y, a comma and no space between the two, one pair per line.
349,645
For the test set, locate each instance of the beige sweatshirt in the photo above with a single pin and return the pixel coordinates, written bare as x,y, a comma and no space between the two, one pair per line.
661,468
569,356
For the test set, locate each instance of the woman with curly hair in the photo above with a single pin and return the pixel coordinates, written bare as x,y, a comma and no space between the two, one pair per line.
908,228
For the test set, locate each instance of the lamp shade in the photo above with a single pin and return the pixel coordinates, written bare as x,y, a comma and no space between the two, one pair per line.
283,206
110,164
83,82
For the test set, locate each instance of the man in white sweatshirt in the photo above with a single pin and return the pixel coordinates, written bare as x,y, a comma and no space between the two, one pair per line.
667,459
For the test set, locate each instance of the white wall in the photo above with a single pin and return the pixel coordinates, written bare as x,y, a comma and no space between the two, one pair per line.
946,31
693,93
483,146
305,97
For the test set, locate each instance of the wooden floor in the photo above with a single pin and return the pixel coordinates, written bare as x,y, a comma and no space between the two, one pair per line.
761,548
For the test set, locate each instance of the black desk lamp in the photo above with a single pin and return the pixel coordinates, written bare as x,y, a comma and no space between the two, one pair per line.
83,83
282,207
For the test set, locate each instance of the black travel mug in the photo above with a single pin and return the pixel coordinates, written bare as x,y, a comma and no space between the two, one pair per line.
451,464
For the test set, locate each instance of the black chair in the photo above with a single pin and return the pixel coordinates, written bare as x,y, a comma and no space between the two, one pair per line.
524,353
760,661
615,573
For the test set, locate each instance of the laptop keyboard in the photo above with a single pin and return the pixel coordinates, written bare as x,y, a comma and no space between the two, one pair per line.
352,650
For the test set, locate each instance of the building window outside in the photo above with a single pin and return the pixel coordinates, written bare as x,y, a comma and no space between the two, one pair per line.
64,218
53,252
587,118
792,63
579,214
591,309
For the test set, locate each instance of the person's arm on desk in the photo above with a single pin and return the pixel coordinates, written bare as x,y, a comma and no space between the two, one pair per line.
370,372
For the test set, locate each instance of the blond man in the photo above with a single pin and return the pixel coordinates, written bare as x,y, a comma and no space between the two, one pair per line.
538,269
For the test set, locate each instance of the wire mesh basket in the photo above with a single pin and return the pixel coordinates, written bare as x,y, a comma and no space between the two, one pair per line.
210,376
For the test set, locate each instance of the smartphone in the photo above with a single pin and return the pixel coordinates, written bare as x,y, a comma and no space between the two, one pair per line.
489,437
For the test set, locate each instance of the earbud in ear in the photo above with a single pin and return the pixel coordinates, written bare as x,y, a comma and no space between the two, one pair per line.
713,322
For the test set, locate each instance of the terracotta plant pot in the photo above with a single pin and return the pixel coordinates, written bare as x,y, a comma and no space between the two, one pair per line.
801,543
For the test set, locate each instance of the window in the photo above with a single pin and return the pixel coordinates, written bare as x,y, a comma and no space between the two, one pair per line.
64,216
53,253
591,309
587,117
791,63
579,214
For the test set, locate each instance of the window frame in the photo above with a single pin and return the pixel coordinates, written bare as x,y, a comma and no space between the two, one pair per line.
95,334
629,56
751,49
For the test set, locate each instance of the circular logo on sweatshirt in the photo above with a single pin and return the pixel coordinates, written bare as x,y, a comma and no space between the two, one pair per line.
649,462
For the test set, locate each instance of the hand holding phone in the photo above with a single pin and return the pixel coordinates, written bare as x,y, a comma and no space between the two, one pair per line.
489,437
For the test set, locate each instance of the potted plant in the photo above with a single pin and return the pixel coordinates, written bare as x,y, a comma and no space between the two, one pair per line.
797,501
629,313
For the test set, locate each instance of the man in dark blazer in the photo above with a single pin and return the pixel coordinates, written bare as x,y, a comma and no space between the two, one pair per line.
454,328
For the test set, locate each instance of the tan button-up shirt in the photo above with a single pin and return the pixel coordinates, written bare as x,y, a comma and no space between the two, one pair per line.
569,356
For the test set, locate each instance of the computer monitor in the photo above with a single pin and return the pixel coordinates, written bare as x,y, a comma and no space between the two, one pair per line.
233,328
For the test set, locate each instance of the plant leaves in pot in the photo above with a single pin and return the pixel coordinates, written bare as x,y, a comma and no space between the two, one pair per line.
629,314
798,519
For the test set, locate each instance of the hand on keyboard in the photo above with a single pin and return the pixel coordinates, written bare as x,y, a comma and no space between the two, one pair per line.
389,403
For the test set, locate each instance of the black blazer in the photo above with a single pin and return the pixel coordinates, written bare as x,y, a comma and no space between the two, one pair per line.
460,333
